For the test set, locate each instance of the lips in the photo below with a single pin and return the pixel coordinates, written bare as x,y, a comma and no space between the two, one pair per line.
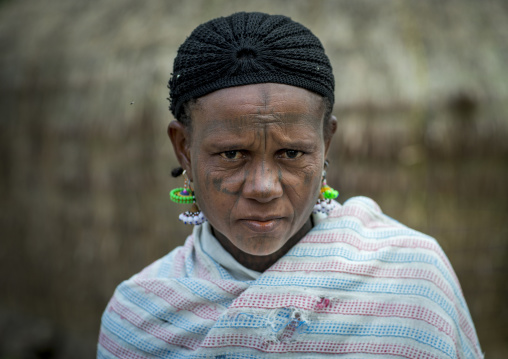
261,224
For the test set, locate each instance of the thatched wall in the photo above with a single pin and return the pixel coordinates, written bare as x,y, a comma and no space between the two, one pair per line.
422,101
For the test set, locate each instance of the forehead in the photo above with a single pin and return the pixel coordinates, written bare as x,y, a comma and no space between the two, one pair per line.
258,105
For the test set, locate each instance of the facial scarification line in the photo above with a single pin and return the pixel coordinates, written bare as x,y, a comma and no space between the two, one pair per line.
231,193
307,179
266,137
239,192
245,176
268,189
217,183
265,95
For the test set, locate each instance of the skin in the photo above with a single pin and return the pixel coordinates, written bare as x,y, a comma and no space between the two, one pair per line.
255,155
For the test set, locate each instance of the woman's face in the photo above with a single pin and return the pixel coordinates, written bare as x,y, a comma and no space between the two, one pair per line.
255,155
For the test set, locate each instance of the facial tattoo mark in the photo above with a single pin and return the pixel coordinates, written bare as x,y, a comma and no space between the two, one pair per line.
307,179
217,183
265,96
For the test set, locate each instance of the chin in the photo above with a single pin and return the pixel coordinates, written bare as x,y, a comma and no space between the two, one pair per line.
264,246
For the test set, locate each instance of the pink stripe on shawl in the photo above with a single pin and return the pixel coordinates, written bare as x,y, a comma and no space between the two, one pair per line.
112,347
151,328
366,219
325,347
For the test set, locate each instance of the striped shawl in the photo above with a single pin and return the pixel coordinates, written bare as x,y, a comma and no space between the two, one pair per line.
358,285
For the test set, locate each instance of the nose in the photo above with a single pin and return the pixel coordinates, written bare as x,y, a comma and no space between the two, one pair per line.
263,183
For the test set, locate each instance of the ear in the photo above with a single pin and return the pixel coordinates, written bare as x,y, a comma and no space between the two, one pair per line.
329,132
180,138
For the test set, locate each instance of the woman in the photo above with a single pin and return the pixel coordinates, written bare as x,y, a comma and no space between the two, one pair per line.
262,275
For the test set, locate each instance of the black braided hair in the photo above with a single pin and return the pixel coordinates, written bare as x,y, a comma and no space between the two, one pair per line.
248,48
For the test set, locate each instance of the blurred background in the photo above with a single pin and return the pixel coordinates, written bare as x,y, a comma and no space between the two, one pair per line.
422,103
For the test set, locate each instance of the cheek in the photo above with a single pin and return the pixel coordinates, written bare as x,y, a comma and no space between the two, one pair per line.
303,187
216,194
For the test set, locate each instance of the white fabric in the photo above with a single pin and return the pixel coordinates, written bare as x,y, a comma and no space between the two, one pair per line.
205,241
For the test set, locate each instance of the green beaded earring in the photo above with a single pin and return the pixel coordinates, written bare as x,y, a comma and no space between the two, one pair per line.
326,203
186,195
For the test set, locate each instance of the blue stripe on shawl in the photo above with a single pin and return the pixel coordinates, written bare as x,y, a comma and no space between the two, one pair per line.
132,337
247,320
205,292
100,353
160,312
231,355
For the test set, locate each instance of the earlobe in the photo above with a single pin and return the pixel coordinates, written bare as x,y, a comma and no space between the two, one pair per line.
329,132
332,124
180,138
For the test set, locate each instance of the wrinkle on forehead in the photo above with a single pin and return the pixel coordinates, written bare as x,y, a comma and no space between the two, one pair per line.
239,125
235,110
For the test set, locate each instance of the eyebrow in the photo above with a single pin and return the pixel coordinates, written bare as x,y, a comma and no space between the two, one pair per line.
237,143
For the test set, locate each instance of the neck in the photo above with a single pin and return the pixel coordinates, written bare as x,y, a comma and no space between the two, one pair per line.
262,263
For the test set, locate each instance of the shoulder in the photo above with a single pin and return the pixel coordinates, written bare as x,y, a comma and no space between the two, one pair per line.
359,231
364,218
368,213
369,260
139,304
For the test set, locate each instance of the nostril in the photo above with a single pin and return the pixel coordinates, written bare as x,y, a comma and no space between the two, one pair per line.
263,185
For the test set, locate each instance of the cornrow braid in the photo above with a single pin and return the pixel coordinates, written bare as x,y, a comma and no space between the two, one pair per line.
248,48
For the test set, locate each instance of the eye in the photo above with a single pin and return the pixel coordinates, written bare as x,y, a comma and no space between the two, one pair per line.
291,154
231,155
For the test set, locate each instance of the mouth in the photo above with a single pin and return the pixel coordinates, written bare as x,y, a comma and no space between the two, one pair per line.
261,224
